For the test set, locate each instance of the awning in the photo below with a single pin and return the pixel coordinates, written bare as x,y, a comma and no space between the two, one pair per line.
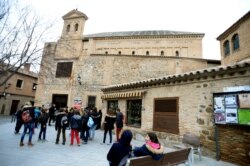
133,94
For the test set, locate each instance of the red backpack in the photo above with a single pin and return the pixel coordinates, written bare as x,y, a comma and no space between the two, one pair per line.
26,117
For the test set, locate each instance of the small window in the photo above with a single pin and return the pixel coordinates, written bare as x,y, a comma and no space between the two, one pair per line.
91,102
68,28
226,48
235,40
34,86
64,69
76,27
133,52
19,83
147,52
112,105
134,113
177,53
106,52
162,53
119,52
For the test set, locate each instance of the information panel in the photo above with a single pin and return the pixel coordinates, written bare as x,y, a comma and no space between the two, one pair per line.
232,108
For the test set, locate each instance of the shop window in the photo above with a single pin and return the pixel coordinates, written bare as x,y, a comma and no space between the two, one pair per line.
226,48
68,28
235,41
112,105
64,69
134,113
166,115
19,83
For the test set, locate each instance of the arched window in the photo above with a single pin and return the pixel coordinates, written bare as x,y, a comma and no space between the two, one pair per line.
133,52
235,41
226,48
76,27
147,52
106,52
68,28
162,53
119,52
177,53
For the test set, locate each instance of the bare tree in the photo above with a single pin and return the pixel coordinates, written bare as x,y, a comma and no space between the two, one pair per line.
22,35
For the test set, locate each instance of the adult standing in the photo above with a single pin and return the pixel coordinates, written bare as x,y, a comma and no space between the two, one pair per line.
85,128
43,119
99,120
119,123
95,116
52,111
120,151
19,121
109,121
27,115
59,127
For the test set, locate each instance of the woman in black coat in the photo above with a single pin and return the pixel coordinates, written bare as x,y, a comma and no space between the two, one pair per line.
109,121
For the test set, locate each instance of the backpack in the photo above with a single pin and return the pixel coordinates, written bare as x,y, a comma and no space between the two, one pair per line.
90,122
26,117
65,121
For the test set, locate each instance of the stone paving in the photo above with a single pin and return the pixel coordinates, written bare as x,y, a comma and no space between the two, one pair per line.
49,154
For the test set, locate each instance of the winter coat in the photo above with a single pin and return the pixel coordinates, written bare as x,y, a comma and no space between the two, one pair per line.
95,116
43,119
59,119
148,150
120,149
119,120
110,120
76,122
85,119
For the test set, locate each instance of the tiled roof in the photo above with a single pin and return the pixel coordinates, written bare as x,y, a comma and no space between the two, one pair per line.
203,73
141,33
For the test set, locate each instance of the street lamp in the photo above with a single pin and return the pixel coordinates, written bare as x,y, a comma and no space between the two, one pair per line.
79,79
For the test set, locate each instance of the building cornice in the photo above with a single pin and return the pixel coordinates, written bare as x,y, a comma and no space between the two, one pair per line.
241,68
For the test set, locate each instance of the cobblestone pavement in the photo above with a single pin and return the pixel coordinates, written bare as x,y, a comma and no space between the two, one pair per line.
49,154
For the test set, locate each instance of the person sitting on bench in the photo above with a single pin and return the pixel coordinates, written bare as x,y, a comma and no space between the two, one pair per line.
151,147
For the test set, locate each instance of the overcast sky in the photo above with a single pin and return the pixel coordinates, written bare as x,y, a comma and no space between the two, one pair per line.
211,17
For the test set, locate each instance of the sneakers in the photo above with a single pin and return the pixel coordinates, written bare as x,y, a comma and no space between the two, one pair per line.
102,143
108,143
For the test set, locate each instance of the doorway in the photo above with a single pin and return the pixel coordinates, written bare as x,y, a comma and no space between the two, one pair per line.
60,100
14,106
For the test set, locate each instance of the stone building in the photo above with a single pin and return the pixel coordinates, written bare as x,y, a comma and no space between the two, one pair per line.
235,41
77,66
175,104
20,88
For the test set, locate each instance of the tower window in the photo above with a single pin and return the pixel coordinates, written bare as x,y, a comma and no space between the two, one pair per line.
133,52
177,53
119,52
106,52
235,40
68,28
162,53
76,27
147,52
226,48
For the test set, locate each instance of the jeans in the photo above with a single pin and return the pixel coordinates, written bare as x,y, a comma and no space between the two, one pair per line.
27,126
92,131
85,135
42,131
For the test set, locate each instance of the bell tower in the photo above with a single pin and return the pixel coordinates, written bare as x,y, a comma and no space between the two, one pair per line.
73,26
70,43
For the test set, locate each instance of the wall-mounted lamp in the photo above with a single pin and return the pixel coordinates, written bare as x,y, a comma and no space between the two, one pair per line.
79,79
